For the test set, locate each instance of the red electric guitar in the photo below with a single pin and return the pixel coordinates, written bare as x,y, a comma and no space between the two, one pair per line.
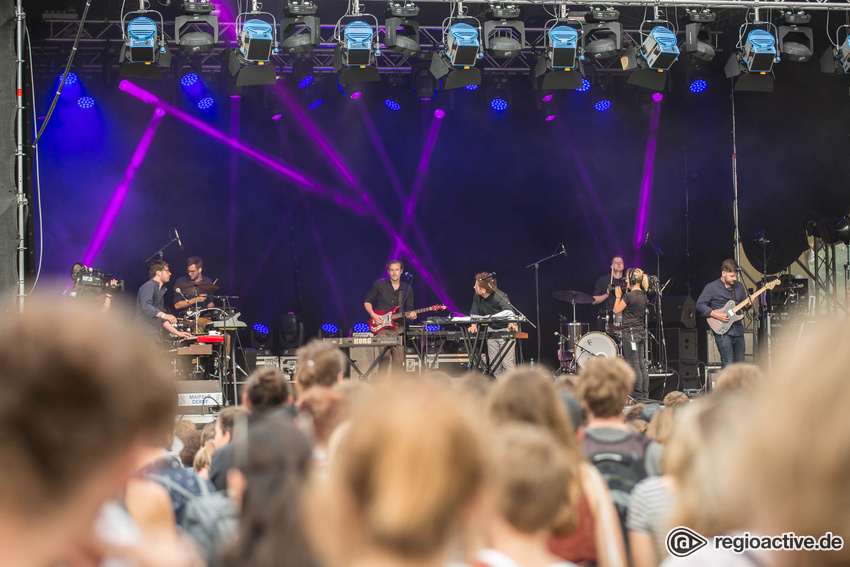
388,317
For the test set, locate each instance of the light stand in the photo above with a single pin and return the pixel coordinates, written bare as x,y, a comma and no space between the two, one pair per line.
536,266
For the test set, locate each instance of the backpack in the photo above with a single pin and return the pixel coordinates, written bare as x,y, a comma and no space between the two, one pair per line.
621,464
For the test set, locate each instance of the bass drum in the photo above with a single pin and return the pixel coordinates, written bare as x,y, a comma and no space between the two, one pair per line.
595,345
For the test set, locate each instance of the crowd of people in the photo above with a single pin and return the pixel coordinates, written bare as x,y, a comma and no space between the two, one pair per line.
433,471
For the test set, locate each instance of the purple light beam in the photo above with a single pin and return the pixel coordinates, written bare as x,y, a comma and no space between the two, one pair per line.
107,220
648,169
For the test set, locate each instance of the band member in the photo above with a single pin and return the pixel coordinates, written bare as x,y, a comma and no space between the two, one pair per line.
601,294
714,297
194,274
489,300
632,304
385,295
151,316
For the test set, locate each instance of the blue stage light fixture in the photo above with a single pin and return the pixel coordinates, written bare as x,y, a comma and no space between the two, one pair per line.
190,79
260,328
471,87
206,103
659,49
354,55
142,40
314,104
759,52
499,104
358,44
305,82
256,40
432,328
585,86
557,64
85,102
144,49
463,46
71,80
602,105
392,105
698,86
361,328
330,328
563,47
261,337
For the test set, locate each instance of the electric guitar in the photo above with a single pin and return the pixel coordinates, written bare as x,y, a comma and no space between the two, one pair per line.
388,317
731,310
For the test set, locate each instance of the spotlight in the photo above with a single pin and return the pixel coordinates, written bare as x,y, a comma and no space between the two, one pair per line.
302,72
759,52
196,13
190,79
498,104
261,337
144,49
602,34
360,328
300,29
71,80
354,54
402,32
457,62
85,102
698,86
329,330
698,35
250,63
432,328
657,97
471,87
439,113
206,103
504,34
602,105
659,49
314,104
837,59
291,331
392,105
585,86
256,40
561,56
424,83
499,95
796,42
754,64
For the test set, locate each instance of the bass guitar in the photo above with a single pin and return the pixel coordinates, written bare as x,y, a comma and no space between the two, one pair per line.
731,310
388,318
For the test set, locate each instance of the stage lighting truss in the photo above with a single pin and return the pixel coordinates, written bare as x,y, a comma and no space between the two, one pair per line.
796,40
357,47
837,59
456,64
504,33
560,63
602,34
143,43
300,30
204,27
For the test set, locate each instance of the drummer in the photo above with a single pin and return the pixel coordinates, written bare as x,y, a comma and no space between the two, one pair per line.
603,298
194,287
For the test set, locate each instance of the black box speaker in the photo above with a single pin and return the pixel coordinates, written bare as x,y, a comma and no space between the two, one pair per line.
681,345
679,311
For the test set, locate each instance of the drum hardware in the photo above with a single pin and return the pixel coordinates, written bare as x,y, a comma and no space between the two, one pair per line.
595,344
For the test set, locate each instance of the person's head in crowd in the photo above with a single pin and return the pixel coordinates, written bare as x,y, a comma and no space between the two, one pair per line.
271,464
404,479
319,364
227,418
184,427
676,399
529,475
738,376
203,459
638,426
476,385
529,396
604,386
80,401
191,445
649,411
573,407
661,426
438,377
208,433
793,470
327,408
697,456
266,390
634,412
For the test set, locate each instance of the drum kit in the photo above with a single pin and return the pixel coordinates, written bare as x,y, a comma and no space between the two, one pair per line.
577,344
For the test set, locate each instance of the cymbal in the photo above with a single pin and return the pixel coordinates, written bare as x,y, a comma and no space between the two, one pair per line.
190,289
578,297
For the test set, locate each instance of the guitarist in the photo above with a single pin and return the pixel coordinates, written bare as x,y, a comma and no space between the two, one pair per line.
714,297
386,294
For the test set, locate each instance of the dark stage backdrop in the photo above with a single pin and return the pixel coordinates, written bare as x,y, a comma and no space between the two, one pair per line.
498,192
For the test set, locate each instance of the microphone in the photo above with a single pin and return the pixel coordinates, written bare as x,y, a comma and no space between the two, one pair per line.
408,275
563,250
491,274
179,242
647,240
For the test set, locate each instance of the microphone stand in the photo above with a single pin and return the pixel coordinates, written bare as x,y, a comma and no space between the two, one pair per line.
536,266
159,252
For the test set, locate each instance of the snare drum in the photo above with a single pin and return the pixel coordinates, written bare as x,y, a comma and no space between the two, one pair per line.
573,332
595,345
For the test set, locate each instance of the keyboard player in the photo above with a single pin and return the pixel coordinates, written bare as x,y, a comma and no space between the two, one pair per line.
487,301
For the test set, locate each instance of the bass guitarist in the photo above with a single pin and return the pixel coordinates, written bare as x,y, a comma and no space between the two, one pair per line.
386,294
710,304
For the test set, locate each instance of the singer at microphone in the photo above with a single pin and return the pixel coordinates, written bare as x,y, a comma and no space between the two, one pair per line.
385,295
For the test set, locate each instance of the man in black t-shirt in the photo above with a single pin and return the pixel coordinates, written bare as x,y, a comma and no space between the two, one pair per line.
601,297
632,305
489,300
386,294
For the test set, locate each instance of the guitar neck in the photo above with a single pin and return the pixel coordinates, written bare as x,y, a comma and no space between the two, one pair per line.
750,299
404,313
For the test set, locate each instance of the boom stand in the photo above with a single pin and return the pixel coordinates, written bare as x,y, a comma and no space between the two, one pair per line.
536,266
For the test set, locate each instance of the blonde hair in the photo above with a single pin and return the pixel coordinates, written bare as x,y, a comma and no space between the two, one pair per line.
203,458
319,363
604,386
528,468
661,424
738,376
639,277
410,460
